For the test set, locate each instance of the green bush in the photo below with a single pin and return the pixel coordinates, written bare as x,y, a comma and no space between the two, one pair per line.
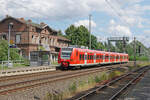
90,80
97,79
139,58
104,76
73,88
26,62
14,55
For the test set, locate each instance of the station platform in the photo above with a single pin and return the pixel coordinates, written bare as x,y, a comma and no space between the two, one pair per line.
141,91
27,70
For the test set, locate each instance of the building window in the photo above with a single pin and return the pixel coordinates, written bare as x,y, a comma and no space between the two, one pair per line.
18,38
4,37
51,42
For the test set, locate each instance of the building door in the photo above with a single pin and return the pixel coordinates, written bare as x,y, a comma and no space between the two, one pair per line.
85,58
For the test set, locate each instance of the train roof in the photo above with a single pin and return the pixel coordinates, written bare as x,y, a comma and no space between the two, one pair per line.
100,51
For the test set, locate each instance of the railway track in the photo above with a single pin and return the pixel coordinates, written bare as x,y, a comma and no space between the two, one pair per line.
114,88
18,78
26,84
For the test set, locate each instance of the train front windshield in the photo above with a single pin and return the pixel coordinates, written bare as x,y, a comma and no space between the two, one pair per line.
66,53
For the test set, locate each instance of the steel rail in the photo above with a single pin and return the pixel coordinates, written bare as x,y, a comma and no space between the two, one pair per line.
47,80
107,84
127,85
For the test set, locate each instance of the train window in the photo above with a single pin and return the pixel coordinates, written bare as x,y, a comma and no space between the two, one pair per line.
117,57
106,57
77,53
80,57
91,57
98,57
102,57
83,57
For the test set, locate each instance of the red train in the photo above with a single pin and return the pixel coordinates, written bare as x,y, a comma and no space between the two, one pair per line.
73,57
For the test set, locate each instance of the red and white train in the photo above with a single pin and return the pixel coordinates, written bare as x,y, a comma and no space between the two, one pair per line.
73,57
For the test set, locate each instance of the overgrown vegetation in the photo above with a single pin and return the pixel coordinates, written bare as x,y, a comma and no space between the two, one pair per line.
78,86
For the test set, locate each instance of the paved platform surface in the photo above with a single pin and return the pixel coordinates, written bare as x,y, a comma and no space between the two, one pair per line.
142,90
26,70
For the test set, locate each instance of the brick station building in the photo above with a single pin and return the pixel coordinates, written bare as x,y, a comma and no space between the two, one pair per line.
32,38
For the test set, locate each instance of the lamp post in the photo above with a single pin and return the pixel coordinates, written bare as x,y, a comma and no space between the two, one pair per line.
10,25
90,30
134,52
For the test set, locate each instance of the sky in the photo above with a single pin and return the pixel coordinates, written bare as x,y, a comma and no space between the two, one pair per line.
110,18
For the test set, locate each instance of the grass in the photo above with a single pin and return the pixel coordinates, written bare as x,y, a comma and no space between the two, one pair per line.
91,82
54,63
143,63
15,65
73,88
83,85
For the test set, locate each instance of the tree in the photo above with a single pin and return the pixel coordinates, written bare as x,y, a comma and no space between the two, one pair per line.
71,34
14,55
60,33
100,46
80,36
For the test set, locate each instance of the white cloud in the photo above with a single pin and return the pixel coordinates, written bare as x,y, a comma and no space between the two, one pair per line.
51,9
85,23
145,39
112,22
128,14
68,9
116,29
147,32
119,30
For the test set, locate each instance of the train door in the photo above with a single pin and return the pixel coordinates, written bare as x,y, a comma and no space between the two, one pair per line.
104,57
94,57
85,58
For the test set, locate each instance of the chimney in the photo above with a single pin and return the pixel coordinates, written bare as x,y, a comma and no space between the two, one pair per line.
22,19
7,16
30,20
42,23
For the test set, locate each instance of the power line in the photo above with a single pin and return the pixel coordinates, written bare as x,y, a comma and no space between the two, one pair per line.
117,13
